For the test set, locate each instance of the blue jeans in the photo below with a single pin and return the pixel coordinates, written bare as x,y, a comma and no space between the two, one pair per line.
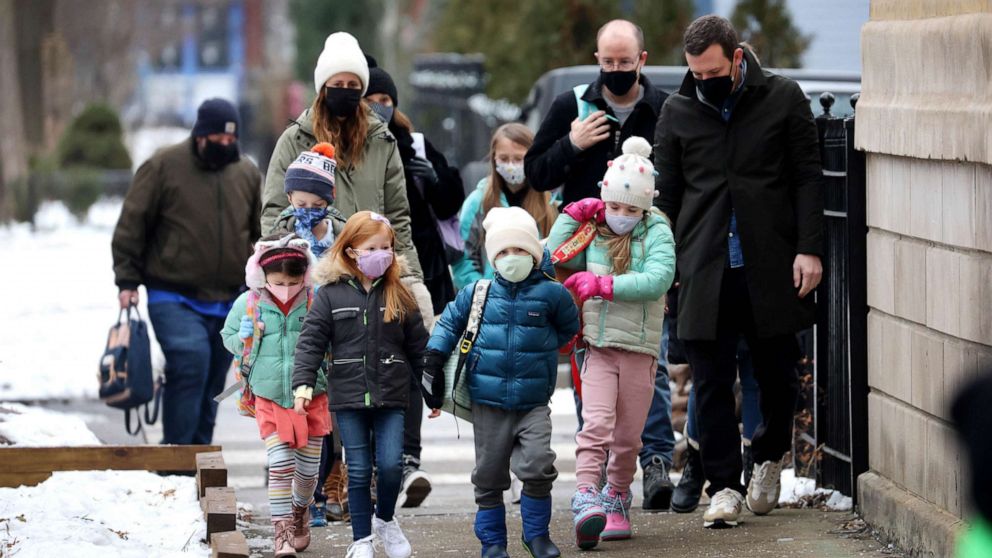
196,365
658,436
356,428
750,407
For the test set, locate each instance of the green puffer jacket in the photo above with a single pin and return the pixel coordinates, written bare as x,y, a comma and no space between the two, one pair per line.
633,320
271,373
377,184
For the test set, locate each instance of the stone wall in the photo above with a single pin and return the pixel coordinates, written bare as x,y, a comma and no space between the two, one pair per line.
925,121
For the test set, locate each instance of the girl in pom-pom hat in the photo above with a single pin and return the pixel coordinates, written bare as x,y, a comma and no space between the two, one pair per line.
621,278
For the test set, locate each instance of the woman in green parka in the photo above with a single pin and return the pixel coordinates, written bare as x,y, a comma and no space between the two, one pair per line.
369,175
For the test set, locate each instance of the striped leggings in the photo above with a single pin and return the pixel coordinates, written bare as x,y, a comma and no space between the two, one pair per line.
292,474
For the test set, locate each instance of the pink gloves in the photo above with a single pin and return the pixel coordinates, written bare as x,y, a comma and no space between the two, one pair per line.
586,284
588,209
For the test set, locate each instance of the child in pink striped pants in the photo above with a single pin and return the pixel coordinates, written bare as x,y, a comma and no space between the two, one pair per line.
622,276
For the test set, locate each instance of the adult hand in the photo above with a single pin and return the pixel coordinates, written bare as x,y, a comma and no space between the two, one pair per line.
422,169
587,209
127,297
299,405
247,328
434,413
587,133
807,271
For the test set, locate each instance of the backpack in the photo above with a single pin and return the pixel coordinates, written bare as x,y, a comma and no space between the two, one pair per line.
125,374
457,399
244,364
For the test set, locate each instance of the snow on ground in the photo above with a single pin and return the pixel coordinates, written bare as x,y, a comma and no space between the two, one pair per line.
800,492
30,426
60,302
96,514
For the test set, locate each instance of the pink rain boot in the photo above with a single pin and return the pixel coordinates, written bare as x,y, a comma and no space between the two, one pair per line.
617,506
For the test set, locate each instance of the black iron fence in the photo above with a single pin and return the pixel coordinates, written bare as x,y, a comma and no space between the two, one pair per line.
837,395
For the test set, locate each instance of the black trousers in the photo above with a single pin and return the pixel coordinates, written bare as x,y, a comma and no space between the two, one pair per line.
714,372
412,420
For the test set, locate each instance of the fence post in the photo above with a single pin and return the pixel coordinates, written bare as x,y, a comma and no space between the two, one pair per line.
857,233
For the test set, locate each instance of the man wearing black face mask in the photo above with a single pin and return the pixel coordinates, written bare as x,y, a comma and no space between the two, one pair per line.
583,130
186,229
740,178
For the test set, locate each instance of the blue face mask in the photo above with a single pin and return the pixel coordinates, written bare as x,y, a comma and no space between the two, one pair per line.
383,112
308,217
621,224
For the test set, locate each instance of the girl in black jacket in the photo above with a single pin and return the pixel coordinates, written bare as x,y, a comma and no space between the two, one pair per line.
368,321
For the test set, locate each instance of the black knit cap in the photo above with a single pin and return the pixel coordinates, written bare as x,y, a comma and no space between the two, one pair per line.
381,82
216,116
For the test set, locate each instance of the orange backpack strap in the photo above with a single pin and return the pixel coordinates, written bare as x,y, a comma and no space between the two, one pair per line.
574,246
251,310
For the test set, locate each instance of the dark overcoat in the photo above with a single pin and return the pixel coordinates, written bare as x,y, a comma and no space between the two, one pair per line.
765,164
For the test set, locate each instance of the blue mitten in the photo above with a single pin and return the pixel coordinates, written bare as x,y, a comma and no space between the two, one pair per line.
247,328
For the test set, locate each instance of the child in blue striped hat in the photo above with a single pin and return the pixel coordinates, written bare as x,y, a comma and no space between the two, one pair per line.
310,189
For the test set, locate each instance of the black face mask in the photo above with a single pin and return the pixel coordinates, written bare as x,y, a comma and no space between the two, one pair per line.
619,83
342,101
716,89
217,155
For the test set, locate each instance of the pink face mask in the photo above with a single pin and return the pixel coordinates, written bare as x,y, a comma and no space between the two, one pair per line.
284,293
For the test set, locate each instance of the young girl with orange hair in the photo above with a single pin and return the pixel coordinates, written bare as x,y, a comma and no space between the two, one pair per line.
368,320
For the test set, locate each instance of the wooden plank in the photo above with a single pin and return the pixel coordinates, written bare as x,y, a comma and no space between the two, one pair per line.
223,493
13,480
222,515
210,471
229,544
30,466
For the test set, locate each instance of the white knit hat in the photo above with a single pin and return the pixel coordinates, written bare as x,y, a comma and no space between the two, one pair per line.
341,54
630,177
511,227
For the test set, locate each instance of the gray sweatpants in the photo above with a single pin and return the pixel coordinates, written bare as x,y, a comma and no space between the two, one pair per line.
512,440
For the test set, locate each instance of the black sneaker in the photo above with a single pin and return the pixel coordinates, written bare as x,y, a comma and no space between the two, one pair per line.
416,484
690,488
658,487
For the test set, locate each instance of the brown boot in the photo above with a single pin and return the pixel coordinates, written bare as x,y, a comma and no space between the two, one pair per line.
284,539
336,490
301,527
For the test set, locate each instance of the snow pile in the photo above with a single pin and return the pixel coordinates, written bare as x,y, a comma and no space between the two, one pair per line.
801,492
96,514
29,426
60,303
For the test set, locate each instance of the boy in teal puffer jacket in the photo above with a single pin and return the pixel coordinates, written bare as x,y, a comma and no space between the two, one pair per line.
511,369
621,280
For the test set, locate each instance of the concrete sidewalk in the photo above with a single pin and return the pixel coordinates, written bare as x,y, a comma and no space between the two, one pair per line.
443,525
785,533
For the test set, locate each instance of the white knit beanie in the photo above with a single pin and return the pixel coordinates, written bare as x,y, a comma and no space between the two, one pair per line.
341,54
630,177
511,227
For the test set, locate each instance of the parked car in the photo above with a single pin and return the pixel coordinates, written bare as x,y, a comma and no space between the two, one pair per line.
669,78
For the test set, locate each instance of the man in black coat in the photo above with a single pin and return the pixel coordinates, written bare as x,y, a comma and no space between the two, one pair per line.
740,178
573,152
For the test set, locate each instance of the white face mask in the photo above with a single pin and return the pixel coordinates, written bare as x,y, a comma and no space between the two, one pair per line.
512,173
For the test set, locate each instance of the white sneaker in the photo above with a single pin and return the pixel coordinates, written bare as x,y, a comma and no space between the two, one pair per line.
725,509
765,487
362,548
392,538
516,489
